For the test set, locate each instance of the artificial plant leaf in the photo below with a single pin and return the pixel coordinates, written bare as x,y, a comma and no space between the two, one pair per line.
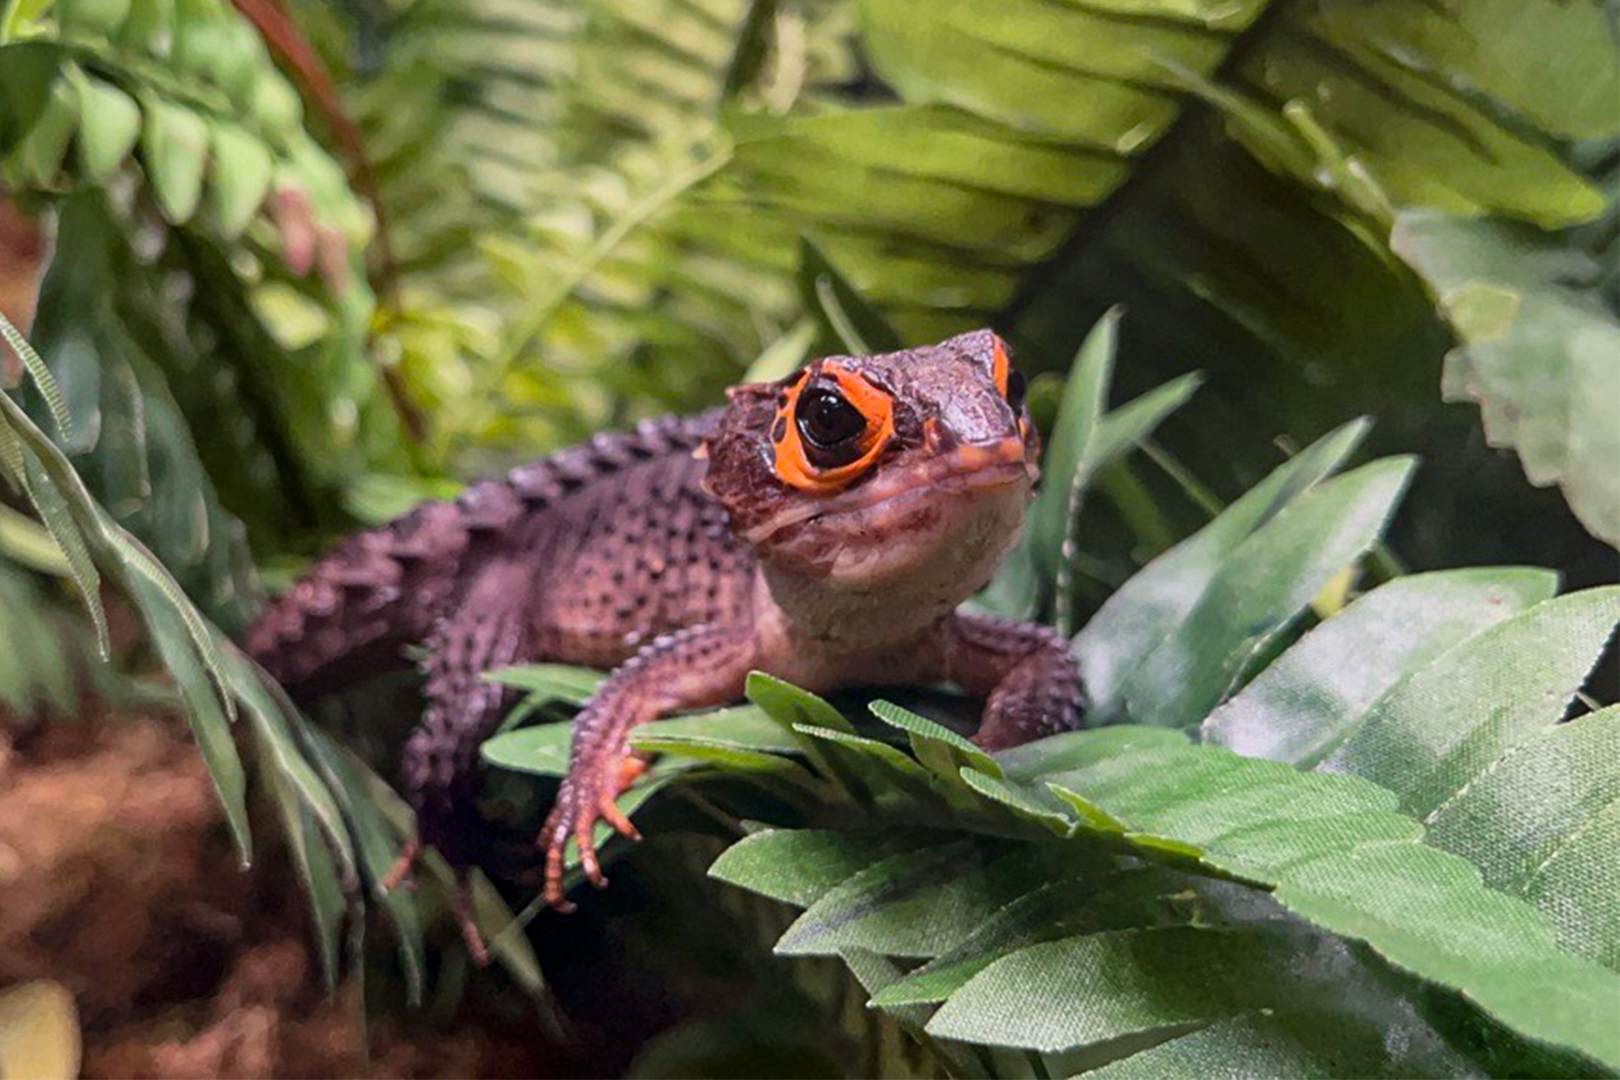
1447,723
1328,679
1538,341
845,315
1116,983
550,682
1146,609
1542,823
799,866
919,903
1265,582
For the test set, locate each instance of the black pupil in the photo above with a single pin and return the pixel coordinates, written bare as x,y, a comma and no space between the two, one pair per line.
1015,392
826,420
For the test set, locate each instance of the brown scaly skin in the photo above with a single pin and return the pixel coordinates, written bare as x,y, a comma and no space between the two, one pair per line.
823,528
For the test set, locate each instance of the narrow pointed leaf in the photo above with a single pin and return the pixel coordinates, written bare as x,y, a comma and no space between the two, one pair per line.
1144,611
1265,583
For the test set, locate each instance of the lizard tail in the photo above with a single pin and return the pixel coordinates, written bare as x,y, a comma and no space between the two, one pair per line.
352,614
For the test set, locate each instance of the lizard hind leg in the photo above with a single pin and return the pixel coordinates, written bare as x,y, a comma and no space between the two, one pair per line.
440,762
704,665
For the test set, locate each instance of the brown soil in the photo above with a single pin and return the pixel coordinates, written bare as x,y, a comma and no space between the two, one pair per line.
119,882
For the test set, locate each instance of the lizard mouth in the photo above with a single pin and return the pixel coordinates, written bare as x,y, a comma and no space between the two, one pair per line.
965,471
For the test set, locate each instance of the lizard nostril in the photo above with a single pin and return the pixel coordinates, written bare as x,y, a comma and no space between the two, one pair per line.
937,437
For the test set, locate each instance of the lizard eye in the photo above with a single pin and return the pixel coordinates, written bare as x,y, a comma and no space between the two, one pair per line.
1016,389
830,428
830,425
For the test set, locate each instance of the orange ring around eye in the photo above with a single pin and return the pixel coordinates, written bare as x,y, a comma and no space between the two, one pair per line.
1001,366
793,465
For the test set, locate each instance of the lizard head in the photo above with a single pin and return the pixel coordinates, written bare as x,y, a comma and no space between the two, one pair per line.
858,473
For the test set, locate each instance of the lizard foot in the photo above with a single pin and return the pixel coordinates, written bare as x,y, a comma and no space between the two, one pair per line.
584,798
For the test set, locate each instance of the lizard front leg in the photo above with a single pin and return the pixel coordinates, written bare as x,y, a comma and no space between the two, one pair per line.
1027,673
704,665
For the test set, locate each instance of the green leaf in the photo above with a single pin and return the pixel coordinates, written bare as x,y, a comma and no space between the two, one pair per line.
919,903
174,150
1114,984
1084,397
204,708
314,864
850,320
939,748
1309,696
789,706
1144,611
1290,1042
1542,823
239,177
800,866
109,124
1537,352
1434,733
551,682
1258,590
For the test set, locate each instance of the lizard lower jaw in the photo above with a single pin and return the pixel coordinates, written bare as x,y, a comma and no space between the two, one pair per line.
966,471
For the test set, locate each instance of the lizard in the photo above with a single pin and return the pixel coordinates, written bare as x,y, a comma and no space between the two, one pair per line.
823,528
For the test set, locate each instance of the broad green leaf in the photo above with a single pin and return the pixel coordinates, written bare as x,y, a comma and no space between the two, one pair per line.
1265,582
1059,909
1538,342
799,866
1077,749
1061,994
1434,733
1542,823
1342,856
919,903
1335,673
1425,911
174,150
1145,610
540,749
39,1032
1292,1041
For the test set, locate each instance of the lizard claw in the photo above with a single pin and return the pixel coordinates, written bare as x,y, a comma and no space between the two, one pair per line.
580,804
400,873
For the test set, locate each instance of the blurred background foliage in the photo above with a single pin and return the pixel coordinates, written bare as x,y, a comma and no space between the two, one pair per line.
302,264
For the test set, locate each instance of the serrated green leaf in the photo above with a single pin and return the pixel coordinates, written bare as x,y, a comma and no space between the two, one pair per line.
788,705
1335,673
